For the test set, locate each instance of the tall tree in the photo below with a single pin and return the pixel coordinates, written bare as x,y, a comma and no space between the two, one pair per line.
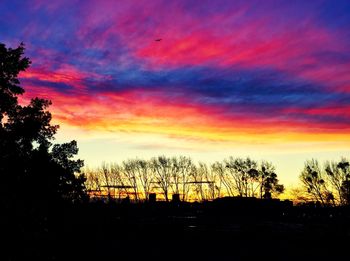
12,63
225,180
245,175
209,181
269,183
313,181
27,159
162,168
344,167
36,176
131,172
185,167
144,176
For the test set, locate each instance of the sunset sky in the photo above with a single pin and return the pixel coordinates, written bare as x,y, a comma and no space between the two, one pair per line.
265,79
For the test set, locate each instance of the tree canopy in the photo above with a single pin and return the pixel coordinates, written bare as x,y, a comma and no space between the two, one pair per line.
31,167
328,184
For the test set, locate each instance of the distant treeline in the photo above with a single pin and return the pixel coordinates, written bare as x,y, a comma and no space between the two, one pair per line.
166,176
328,184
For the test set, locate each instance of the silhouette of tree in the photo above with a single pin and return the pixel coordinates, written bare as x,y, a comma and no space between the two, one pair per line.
117,178
139,176
299,195
217,169
224,178
106,175
130,171
179,175
335,178
93,182
175,176
162,170
27,159
245,175
344,166
313,181
185,169
11,64
209,179
144,176
345,191
330,185
36,176
338,174
198,179
269,183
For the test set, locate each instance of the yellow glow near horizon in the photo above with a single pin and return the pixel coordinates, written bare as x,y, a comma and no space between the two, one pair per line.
98,146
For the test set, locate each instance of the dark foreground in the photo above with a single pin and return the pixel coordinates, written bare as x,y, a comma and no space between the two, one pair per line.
222,230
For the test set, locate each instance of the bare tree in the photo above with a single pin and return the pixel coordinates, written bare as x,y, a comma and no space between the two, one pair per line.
104,170
299,195
93,182
181,171
186,169
176,177
162,167
225,178
217,170
130,172
244,175
209,180
144,175
197,182
118,179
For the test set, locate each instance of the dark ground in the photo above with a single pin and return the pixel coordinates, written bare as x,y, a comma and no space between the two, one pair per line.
223,230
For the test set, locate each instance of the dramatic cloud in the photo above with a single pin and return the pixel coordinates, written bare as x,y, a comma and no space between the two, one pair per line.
221,69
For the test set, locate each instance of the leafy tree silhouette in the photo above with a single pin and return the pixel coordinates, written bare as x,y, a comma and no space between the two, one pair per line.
35,174
26,134
313,181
